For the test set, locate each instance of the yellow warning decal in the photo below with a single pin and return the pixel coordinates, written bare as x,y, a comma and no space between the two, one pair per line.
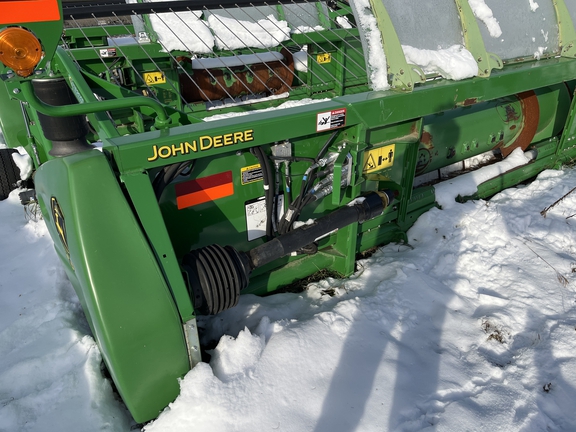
379,158
251,174
324,58
153,78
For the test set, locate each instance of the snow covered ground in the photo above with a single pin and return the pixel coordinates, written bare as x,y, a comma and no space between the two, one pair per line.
470,328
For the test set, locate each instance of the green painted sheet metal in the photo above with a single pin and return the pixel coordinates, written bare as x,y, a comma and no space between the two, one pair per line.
146,206
117,278
373,109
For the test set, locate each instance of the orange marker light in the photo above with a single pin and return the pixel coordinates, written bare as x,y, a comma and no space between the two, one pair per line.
20,50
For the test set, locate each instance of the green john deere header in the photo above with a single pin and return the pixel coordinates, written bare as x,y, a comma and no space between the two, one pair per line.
188,152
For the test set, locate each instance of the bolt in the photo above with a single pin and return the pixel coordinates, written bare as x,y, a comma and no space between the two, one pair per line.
195,348
16,91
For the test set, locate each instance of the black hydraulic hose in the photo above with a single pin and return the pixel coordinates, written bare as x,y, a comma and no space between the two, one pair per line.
326,145
297,206
372,206
167,176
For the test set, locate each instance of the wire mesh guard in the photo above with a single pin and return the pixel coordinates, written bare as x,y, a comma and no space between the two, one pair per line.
219,57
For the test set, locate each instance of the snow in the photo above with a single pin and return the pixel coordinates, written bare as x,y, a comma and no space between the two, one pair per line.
50,378
285,105
308,29
484,14
343,22
447,191
183,31
470,327
455,63
230,33
376,59
301,60
24,162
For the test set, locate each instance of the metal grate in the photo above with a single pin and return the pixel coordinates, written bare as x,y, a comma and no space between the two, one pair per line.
218,56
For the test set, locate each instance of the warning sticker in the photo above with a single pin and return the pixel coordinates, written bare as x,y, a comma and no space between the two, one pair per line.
324,58
108,52
379,158
256,219
153,78
251,174
330,120
256,216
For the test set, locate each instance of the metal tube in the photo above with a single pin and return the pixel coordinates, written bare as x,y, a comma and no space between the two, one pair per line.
162,120
372,206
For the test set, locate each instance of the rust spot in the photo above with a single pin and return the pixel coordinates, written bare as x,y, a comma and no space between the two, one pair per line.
470,101
530,118
427,140
511,114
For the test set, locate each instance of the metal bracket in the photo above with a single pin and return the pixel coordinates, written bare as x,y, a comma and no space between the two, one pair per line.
337,179
192,342
401,75
567,34
474,42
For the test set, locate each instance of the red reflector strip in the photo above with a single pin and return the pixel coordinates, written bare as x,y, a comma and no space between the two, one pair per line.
27,11
204,189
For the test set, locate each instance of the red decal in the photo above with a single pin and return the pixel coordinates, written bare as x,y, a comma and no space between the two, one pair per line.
204,189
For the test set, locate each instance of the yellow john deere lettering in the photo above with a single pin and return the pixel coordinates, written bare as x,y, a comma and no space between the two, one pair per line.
205,142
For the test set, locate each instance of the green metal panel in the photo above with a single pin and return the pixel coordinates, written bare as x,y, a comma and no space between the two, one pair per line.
117,278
